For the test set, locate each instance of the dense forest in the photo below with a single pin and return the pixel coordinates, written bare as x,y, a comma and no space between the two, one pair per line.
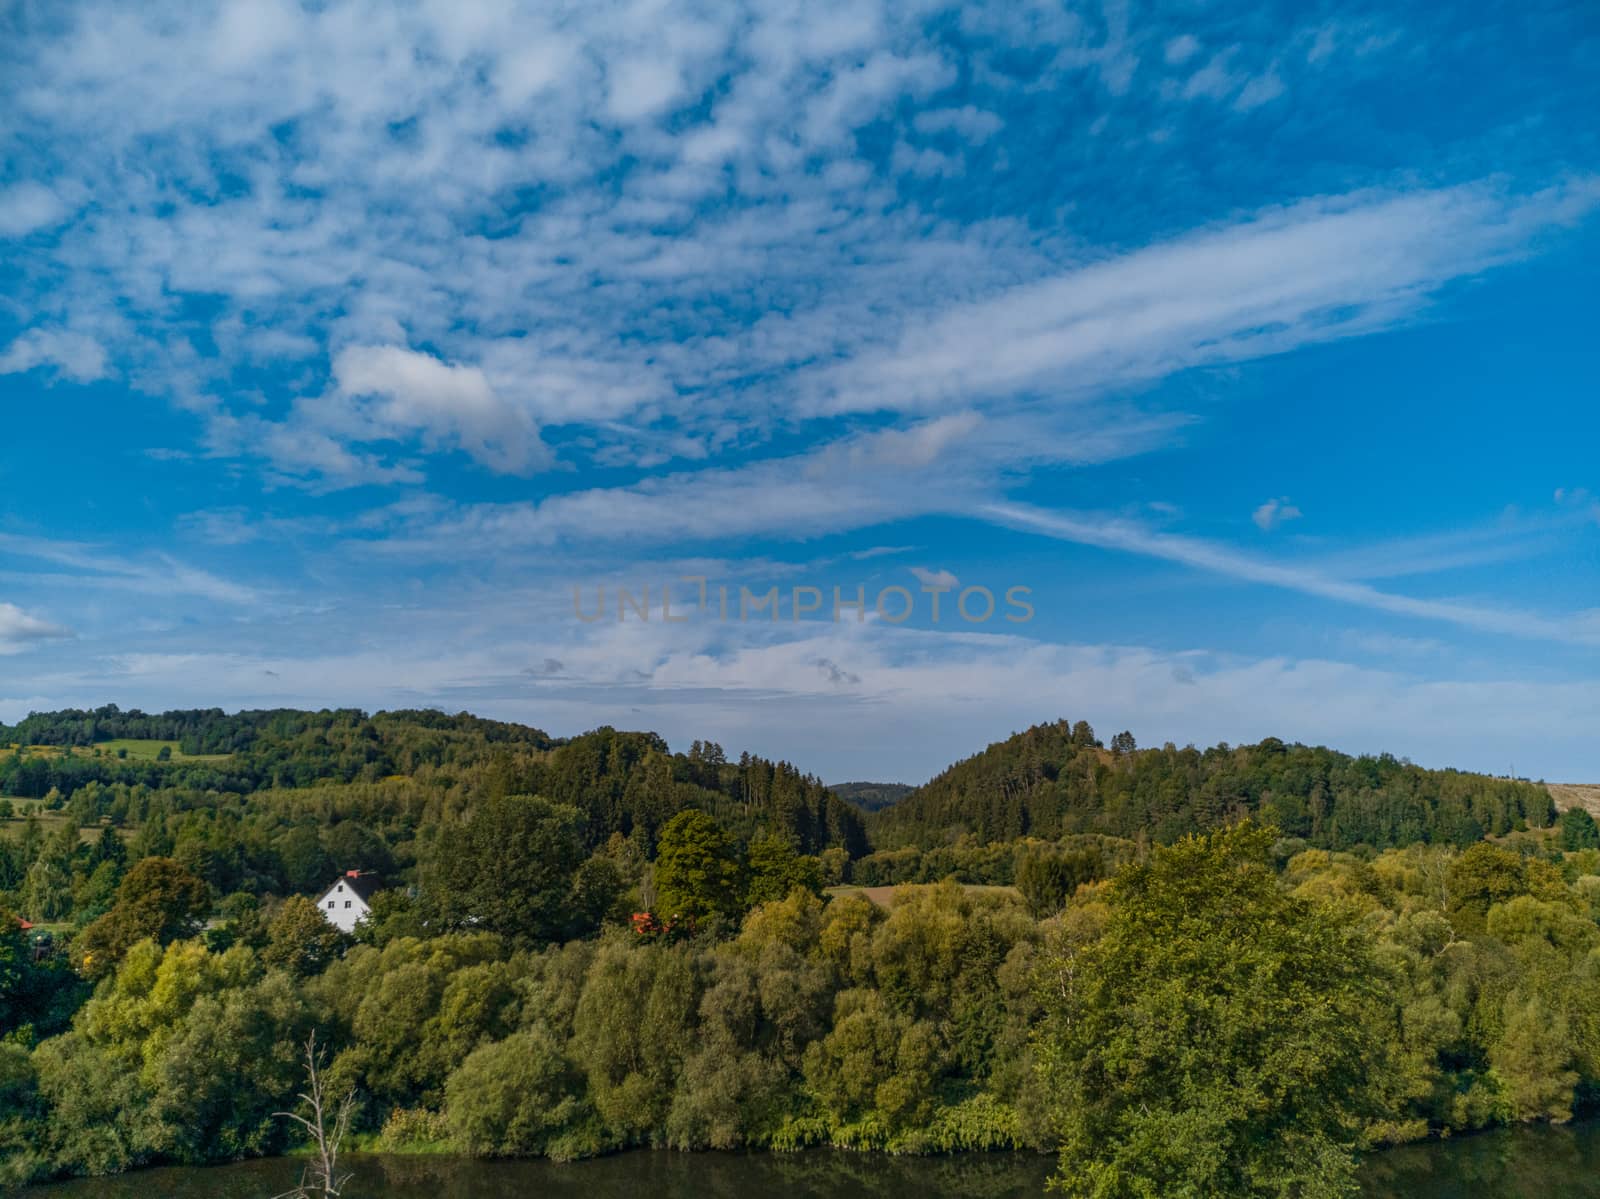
1059,778
1227,971
872,797
307,794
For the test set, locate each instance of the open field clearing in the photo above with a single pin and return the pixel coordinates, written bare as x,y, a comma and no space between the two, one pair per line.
1576,795
50,822
128,748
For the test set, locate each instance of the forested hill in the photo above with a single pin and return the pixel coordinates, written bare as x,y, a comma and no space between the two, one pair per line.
395,772
1058,779
871,797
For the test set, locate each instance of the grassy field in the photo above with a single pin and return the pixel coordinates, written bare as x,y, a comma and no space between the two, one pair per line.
1576,795
884,897
148,750
137,751
50,822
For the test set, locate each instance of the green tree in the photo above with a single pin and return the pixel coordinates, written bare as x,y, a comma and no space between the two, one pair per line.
36,997
158,899
1220,1037
300,939
1047,878
697,874
597,891
522,1096
774,868
47,891
1578,830
108,847
1481,877
1533,1061
508,869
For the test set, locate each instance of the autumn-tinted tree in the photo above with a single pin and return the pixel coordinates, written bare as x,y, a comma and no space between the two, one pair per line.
158,899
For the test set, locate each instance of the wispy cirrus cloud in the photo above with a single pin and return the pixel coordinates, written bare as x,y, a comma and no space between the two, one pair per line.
98,567
1579,628
1311,272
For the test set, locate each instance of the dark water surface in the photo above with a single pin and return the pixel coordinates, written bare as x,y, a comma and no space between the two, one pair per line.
1527,1163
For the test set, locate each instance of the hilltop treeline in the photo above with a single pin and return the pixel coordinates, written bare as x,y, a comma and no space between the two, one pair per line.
213,731
313,793
1058,778
275,748
872,797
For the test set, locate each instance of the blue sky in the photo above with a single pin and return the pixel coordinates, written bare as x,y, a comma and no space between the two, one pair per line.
340,342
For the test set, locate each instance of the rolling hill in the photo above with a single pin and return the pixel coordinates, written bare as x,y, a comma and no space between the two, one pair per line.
1058,779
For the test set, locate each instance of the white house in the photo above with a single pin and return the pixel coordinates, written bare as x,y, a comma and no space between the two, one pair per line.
347,902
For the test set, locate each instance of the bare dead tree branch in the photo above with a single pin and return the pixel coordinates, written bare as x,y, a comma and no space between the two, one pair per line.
321,1176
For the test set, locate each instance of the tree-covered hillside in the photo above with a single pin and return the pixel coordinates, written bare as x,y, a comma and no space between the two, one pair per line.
589,944
301,794
1056,779
872,797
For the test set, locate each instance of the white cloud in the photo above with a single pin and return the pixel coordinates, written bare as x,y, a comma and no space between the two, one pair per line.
879,551
936,578
1214,81
27,206
1275,513
18,630
1181,49
642,87
1390,645
975,125
495,185
447,404
76,356
857,94
96,566
1260,90
857,481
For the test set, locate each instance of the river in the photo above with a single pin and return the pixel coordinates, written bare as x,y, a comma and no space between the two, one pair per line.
1523,1163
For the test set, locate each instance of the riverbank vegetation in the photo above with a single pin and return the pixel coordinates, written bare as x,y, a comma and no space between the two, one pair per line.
1239,1008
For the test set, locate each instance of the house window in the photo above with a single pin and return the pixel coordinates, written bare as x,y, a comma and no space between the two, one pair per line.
341,886
347,903
330,905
